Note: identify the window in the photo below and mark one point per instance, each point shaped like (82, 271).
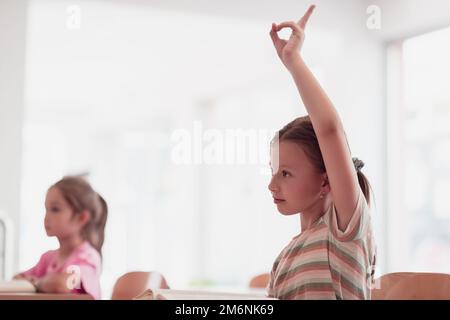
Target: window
(419, 153)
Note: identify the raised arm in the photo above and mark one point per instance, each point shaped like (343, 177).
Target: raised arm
(325, 119)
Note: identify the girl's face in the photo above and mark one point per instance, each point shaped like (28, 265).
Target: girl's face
(60, 220)
(295, 185)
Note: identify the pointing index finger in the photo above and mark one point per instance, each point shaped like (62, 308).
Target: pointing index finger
(302, 22)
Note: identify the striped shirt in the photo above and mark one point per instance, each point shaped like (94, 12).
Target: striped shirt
(324, 262)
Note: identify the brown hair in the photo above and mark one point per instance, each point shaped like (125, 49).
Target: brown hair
(301, 131)
(80, 196)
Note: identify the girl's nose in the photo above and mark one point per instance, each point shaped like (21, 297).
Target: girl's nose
(272, 186)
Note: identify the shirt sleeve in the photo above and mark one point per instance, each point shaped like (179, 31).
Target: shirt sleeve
(39, 269)
(85, 272)
(358, 225)
(269, 288)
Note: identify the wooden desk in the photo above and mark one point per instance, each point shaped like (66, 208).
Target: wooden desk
(43, 296)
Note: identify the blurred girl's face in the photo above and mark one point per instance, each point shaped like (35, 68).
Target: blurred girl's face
(60, 220)
(296, 185)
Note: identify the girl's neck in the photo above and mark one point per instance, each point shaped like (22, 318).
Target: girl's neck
(68, 245)
(311, 215)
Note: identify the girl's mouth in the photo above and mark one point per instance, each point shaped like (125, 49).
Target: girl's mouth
(275, 200)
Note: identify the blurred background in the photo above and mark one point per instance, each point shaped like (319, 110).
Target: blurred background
(169, 106)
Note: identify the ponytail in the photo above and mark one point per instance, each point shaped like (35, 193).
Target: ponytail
(365, 186)
(94, 230)
(98, 234)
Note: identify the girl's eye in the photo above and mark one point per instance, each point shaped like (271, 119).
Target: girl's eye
(285, 173)
(54, 210)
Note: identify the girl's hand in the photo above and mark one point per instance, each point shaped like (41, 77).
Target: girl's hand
(53, 283)
(32, 279)
(24, 277)
(19, 277)
(289, 50)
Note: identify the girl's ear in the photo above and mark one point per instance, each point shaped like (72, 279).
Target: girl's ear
(84, 217)
(325, 183)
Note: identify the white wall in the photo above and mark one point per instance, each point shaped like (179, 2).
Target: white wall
(12, 48)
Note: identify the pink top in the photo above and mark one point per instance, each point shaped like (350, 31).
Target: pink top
(84, 265)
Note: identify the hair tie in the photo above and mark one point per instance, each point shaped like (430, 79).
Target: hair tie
(358, 164)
